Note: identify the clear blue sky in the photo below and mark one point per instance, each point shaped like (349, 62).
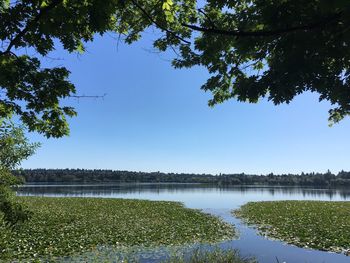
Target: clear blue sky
(156, 118)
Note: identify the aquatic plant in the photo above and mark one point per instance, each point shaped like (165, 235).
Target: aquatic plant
(69, 226)
(309, 224)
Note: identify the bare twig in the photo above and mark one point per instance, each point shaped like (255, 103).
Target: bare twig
(89, 96)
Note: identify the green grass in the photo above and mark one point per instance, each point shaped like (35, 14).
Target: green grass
(314, 224)
(215, 256)
(69, 226)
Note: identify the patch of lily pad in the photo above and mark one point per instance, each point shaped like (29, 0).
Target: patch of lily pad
(61, 227)
(310, 224)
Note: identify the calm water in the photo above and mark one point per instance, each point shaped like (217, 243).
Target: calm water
(218, 201)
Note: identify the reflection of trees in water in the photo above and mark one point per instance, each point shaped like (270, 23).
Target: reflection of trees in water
(120, 189)
(311, 192)
(101, 190)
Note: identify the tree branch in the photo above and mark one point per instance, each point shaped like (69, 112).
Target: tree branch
(264, 33)
(157, 24)
(89, 96)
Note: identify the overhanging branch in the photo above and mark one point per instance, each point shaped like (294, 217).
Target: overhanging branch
(264, 33)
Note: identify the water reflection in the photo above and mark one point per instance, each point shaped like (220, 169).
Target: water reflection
(115, 190)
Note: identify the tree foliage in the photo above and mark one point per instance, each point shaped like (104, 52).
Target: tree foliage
(252, 49)
(35, 93)
(275, 49)
(14, 148)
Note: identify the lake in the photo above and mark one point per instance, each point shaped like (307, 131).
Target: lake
(219, 201)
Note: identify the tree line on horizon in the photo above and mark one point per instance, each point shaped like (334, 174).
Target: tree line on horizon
(109, 176)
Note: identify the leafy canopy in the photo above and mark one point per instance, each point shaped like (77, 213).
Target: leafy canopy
(275, 49)
(252, 48)
(14, 147)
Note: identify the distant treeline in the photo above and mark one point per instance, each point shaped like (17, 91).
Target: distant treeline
(106, 176)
